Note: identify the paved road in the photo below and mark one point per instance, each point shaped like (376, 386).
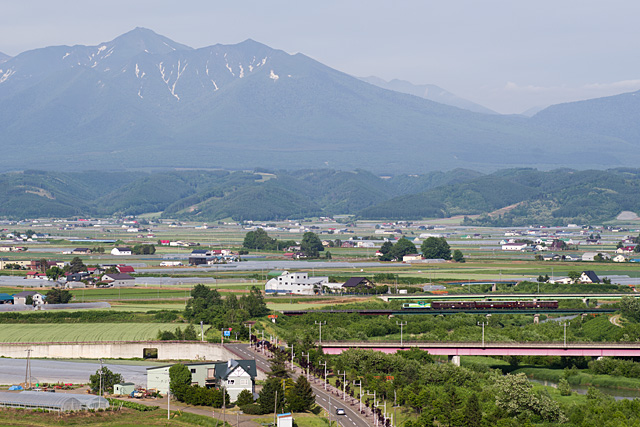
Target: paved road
(330, 400)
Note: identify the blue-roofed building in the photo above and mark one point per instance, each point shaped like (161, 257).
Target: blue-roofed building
(6, 298)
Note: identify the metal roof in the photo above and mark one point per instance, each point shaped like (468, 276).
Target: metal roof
(40, 399)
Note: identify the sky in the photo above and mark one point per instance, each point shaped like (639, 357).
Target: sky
(509, 56)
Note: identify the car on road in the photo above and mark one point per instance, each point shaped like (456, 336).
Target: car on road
(340, 411)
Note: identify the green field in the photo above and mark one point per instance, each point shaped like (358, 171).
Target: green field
(69, 332)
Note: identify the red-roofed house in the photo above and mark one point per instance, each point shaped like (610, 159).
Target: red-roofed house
(125, 269)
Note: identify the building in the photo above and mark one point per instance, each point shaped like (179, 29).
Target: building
(121, 251)
(204, 257)
(296, 283)
(81, 251)
(123, 389)
(619, 258)
(21, 298)
(125, 269)
(589, 276)
(284, 420)
(590, 256)
(412, 257)
(355, 283)
(118, 280)
(235, 376)
(6, 298)
(514, 247)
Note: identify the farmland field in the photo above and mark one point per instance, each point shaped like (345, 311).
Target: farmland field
(67, 332)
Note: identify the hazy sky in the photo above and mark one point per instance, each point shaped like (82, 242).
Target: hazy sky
(506, 55)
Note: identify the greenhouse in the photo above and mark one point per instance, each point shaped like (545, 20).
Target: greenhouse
(59, 402)
(91, 401)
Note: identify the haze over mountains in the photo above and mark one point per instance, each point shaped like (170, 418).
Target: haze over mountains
(430, 92)
(145, 101)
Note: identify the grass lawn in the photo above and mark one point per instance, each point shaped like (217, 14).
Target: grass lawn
(69, 332)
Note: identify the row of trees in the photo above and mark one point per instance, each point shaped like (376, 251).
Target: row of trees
(207, 305)
(310, 246)
(431, 248)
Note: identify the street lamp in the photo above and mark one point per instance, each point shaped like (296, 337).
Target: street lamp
(401, 324)
(320, 324)
(344, 384)
(303, 355)
(483, 325)
(360, 394)
(325, 373)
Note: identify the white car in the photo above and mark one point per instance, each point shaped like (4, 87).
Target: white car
(340, 411)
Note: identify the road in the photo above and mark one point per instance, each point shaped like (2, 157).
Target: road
(330, 400)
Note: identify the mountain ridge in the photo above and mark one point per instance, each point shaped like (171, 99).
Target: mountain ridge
(142, 100)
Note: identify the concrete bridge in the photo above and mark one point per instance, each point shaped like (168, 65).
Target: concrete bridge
(455, 350)
(161, 350)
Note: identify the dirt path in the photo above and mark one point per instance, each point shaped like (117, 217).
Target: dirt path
(615, 320)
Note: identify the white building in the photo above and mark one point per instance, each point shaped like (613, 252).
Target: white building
(297, 283)
(514, 247)
(121, 251)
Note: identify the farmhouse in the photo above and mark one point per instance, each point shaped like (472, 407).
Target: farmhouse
(119, 280)
(121, 251)
(21, 298)
(589, 276)
(412, 257)
(296, 283)
(355, 283)
(235, 375)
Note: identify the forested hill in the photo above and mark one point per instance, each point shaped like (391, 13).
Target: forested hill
(523, 196)
(507, 197)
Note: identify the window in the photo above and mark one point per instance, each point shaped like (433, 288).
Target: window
(193, 371)
(245, 382)
(231, 382)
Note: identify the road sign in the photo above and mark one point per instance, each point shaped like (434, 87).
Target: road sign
(227, 333)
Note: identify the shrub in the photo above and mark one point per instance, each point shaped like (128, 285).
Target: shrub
(251, 409)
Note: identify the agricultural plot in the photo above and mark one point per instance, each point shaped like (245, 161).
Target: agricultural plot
(67, 332)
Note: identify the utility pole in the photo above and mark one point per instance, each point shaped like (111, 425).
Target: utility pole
(483, 324)
(565, 332)
(250, 342)
(344, 384)
(202, 331)
(325, 373)
(168, 404)
(375, 405)
(401, 324)
(263, 342)
(292, 354)
(359, 394)
(27, 374)
(320, 323)
(275, 410)
(101, 369)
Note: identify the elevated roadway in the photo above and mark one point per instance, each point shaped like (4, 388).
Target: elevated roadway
(616, 349)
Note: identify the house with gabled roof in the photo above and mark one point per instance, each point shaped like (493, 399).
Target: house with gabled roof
(118, 280)
(357, 283)
(589, 276)
(235, 376)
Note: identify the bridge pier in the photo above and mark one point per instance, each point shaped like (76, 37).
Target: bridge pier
(454, 359)
(586, 301)
(536, 319)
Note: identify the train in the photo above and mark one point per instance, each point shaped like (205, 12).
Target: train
(480, 305)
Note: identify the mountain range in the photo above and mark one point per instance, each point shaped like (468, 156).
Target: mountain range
(143, 101)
